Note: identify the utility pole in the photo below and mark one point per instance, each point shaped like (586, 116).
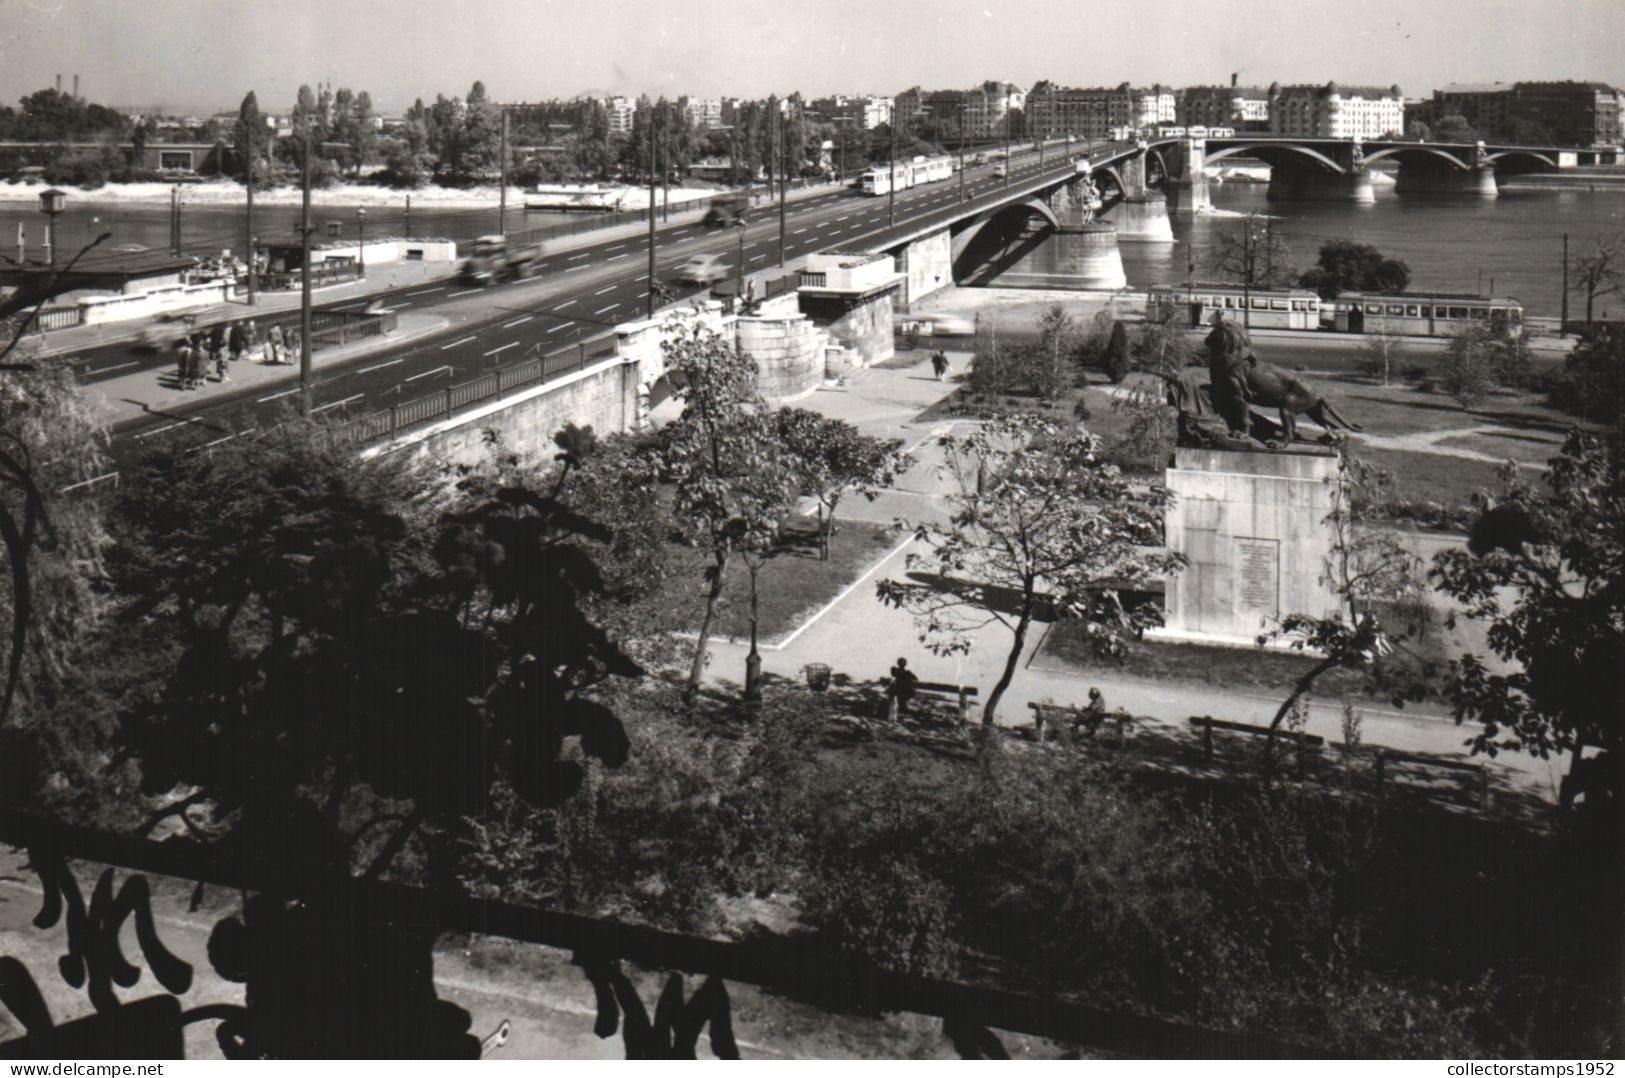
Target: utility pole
(891, 168)
(1007, 146)
(408, 216)
(840, 159)
(784, 180)
(306, 389)
(650, 305)
(248, 226)
(502, 193)
(962, 152)
(1246, 271)
(175, 221)
(665, 167)
(1563, 326)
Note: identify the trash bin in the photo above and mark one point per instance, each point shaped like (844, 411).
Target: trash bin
(817, 676)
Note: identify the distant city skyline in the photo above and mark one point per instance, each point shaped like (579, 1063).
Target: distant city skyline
(203, 55)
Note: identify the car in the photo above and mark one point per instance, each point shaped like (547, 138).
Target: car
(1000, 172)
(702, 269)
(930, 324)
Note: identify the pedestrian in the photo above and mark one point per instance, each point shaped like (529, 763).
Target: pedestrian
(294, 344)
(274, 344)
(189, 373)
(238, 340)
(901, 690)
(939, 363)
(251, 340)
(183, 361)
(217, 342)
(217, 358)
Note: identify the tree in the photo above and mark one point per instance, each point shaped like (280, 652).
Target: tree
(1467, 372)
(1543, 569)
(733, 485)
(1416, 129)
(1041, 525)
(481, 144)
(319, 607)
(1346, 266)
(1453, 127)
(250, 141)
(1592, 382)
(831, 457)
(1597, 272)
(1054, 360)
(1382, 351)
(1368, 568)
(1161, 344)
(1252, 253)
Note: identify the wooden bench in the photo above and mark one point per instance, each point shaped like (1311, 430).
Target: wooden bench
(1060, 717)
(933, 692)
(1477, 775)
(1207, 724)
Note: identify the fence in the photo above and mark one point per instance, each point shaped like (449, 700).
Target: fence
(492, 385)
(394, 918)
(332, 271)
(48, 318)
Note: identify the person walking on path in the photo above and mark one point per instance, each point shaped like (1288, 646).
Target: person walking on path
(238, 340)
(274, 344)
(217, 342)
(939, 363)
(901, 689)
(251, 340)
(183, 362)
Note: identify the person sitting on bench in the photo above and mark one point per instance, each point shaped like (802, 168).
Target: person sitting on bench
(1095, 713)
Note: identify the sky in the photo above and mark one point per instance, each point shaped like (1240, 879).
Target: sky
(205, 54)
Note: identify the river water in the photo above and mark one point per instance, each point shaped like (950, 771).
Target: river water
(1456, 244)
(1451, 243)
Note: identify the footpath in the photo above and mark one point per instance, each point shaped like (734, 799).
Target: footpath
(859, 637)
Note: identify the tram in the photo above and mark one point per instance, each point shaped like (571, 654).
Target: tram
(1422, 314)
(878, 179)
(1273, 308)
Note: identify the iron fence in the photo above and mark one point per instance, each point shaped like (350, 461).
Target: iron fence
(47, 318)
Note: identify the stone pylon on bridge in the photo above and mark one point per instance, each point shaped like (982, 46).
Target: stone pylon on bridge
(1141, 216)
(1185, 165)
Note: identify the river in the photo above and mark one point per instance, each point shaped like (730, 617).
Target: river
(1454, 244)
(1450, 243)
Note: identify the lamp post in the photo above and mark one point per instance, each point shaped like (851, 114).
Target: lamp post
(361, 241)
(739, 288)
(306, 386)
(51, 203)
(248, 223)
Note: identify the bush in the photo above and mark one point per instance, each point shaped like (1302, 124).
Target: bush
(1591, 384)
(1468, 371)
(886, 910)
(1118, 360)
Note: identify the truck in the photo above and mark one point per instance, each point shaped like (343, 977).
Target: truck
(493, 260)
(727, 210)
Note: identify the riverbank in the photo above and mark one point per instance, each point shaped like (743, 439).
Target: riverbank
(231, 193)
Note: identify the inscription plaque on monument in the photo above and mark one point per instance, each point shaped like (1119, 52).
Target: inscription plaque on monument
(1258, 574)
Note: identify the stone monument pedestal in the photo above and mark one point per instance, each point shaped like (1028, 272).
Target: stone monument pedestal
(1253, 526)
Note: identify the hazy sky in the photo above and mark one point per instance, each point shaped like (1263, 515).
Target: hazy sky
(206, 53)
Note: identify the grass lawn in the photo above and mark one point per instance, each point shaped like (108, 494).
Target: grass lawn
(791, 585)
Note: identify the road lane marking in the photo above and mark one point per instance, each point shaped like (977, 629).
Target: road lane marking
(518, 321)
(426, 291)
(611, 288)
(274, 396)
(798, 232)
(426, 374)
(611, 307)
(617, 247)
(565, 304)
(612, 258)
(583, 254)
(454, 344)
(641, 277)
(558, 328)
(381, 366)
(116, 366)
(503, 348)
(464, 292)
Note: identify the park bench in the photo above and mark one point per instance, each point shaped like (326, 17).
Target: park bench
(933, 692)
(1388, 763)
(1060, 717)
(1306, 743)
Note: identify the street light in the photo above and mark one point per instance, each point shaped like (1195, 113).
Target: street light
(739, 288)
(51, 203)
(361, 240)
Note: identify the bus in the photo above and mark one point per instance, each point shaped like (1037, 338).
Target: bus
(1273, 308)
(1423, 314)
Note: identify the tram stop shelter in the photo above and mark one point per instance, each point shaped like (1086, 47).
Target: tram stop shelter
(121, 272)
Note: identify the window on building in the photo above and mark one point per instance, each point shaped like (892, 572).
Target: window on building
(1458, 312)
(1396, 308)
(1413, 309)
(175, 159)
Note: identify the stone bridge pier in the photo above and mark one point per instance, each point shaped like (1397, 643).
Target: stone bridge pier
(1335, 174)
(1420, 175)
(1141, 215)
(1185, 166)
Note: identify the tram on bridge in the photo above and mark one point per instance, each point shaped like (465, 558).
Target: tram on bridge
(878, 179)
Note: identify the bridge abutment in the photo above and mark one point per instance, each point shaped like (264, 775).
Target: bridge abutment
(1142, 219)
(1423, 177)
(1187, 178)
(1288, 184)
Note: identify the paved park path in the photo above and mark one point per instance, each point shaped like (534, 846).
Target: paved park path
(859, 637)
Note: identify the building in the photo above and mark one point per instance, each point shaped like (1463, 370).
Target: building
(1090, 113)
(621, 110)
(1570, 113)
(1486, 106)
(1245, 108)
(988, 104)
(907, 105)
(704, 113)
(1335, 111)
